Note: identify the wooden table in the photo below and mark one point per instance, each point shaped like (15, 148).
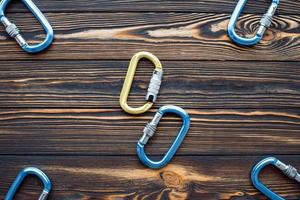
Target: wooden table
(60, 112)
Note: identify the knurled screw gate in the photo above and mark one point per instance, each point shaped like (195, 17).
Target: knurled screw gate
(288, 170)
(154, 85)
(266, 20)
(150, 128)
(13, 31)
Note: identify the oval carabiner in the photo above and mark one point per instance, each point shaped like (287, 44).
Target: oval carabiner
(153, 88)
(150, 129)
(265, 22)
(288, 170)
(14, 32)
(21, 176)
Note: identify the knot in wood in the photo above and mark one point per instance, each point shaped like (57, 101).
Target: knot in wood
(171, 179)
(270, 35)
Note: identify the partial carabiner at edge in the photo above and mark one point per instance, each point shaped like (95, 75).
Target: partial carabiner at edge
(150, 129)
(288, 170)
(153, 88)
(265, 22)
(20, 178)
(14, 32)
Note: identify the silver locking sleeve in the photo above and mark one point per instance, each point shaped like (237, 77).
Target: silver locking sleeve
(13, 31)
(266, 20)
(44, 195)
(154, 85)
(150, 129)
(288, 170)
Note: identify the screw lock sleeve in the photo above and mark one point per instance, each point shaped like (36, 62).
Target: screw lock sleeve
(292, 173)
(150, 129)
(13, 31)
(154, 85)
(288, 170)
(266, 20)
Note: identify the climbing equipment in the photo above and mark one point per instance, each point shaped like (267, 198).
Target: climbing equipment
(153, 88)
(288, 170)
(265, 22)
(14, 32)
(21, 176)
(150, 129)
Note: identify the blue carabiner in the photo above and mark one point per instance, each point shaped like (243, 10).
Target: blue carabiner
(265, 22)
(150, 129)
(288, 170)
(14, 32)
(21, 176)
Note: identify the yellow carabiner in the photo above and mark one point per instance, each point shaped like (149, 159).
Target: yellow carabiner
(153, 88)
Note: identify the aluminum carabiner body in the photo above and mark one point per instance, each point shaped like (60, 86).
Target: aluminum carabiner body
(150, 129)
(21, 176)
(265, 22)
(288, 170)
(153, 88)
(14, 32)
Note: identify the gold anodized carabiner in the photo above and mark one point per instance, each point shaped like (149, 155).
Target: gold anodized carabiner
(153, 88)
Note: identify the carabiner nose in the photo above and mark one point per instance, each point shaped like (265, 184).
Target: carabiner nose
(150, 129)
(21, 176)
(14, 32)
(288, 170)
(153, 88)
(265, 22)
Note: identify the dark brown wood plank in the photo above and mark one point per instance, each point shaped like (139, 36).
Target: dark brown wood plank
(211, 178)
(112, 132)
(59, 109)
(97, 84)
(222, 6)
(171, 36)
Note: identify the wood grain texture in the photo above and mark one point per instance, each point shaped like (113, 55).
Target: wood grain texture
(221, 6)
(112, 178)
(172, 36)
(59, 109)
(97, 84)
(111, 132)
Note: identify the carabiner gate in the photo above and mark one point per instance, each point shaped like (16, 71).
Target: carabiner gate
(14, 32)
(21, 176)
(265, 22)
(150, 129)
(153, 88)
(288, 170)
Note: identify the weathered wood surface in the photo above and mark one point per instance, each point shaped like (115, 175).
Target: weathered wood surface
(59, 109)
(172, 36)
(111, 132)
(210, 6)
(190, 177)
(97, 84)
